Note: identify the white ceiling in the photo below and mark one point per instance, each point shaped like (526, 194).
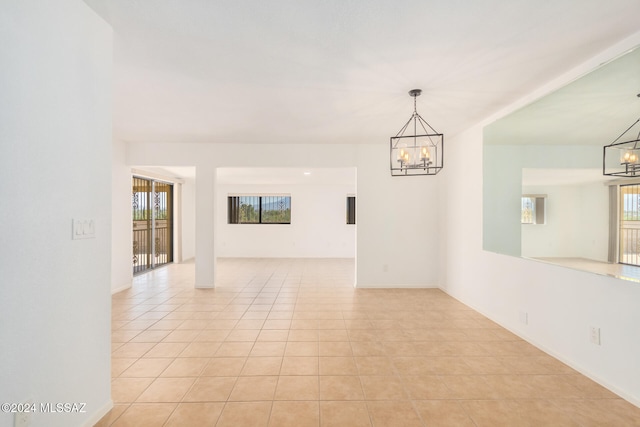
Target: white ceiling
(262, 176)
(337, 71)
(287, 176)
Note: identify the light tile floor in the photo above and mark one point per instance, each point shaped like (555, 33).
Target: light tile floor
(290, 342)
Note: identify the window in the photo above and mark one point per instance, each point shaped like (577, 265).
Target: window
(532, 209)
(259, 209)
(351, 209)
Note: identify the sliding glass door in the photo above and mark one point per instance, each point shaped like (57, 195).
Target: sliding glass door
(152, 214)
(630, 224)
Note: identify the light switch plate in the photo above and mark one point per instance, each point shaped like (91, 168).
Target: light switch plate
(83, 229)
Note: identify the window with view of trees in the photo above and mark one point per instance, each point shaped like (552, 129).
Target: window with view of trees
(259, 209)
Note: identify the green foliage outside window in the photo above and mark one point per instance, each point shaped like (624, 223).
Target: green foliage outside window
(259, 210)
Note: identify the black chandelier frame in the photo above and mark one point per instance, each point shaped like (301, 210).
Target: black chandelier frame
(431, 161)
(624, 157)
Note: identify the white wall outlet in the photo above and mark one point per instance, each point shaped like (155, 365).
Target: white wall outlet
(23, 419)
(524, 317)
(83, 229)
(594, 335)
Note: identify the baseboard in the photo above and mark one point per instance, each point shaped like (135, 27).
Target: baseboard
(120, 289)
(386, 286)
(612, 388)
(97, 416)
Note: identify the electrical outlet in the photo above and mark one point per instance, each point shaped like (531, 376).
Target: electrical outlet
(23, 419)
(594, 335)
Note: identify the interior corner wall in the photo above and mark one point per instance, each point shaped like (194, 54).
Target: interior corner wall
(562, 304)
(56, 144)
(121, 270)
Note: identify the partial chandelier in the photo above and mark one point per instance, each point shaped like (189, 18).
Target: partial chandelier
(622, 158)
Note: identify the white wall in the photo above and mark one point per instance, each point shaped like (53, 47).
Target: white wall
(397, 228)
(318, 226)
(557, 236)
(188, 219)
(55, 139)
(594, 222)
(121, 250)
(576, 223)
(562, 303)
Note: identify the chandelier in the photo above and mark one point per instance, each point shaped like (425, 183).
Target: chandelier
(623, 158)
(416, 154)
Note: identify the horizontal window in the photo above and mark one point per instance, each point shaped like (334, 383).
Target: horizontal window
(259, 209)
